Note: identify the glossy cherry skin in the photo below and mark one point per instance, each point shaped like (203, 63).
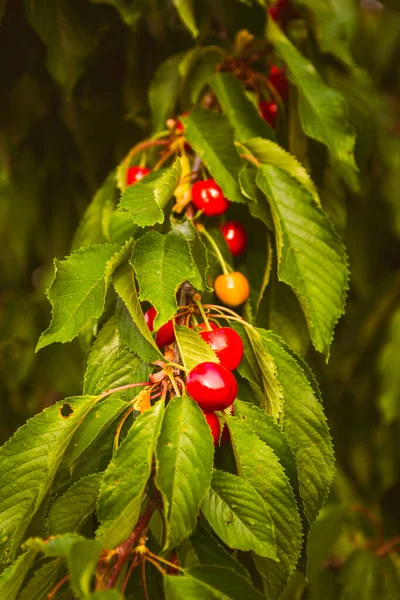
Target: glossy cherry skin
(232, 289)
(166, 334)
(279, 80)
(226, 344)
(212, 386)
(269, 111)
(235, 237)
(213, 326)
(208, 197)
(179, 125)
(214, 425)
(135, 174)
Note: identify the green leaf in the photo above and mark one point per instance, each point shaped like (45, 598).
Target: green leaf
(362, 577)
(240, 111)
(78, 291)
(28, 463)
(323, 111)
(258, 367)
(146, 199)
(13, 577)
(211, 137)
(325, 532)
(82, 562)
(185, 10)
(69, 33)
(270, 153)
(198, 252)
(205, 550)
(59, 545)
(239, 515)
(308, 248)
(42, 581)
(306, 427)
(90, 229)
(71, 510)
(97, 424)
(134, 330)
(206, 65)
(193, 349)
(389, 396)
(334, 25)
(124, 482)
(164, 91)
(110, 363)
(106, 594)
(129, 13)
(209, 583)
(162, 263)
(184, 467)
(262, 469)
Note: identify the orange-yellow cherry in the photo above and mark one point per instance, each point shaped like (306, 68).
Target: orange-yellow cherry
(232, 289)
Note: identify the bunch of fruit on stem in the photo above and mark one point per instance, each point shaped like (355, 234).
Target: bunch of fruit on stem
(212, 385)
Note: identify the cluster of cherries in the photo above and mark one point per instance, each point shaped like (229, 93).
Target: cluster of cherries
(211, 385)
(232, 288)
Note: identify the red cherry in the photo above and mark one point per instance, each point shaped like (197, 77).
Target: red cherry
(135, 174)
(269, 111)
(174, 560)
(213, 422)
(213, 326)
(235, 236)
(179, 125)
(226, 344)
(212, 386)
(279, 80)
(166, 334)
(208, 196)
(283, 12)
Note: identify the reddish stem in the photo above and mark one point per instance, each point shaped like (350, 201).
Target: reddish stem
(121, 388)
(127, 546)
(389, 545)
(57, 587)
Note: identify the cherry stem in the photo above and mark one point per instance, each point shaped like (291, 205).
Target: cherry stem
(251, 159)
(223, 309)
(237, 319)
(144, 582)
(126, 547)
(119, 428)
(217, 251)
(163, 560)
(55, 589)
(203, 314)
(143, 146)
(133, 564)
(121, 388)
(172, 380)
(387, 546)
(163, 159)
(177, 366)
(155, 563)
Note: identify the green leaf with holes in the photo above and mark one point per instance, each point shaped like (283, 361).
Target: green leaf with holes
(28, 463)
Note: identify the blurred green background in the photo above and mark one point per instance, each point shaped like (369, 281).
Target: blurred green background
(74, 98)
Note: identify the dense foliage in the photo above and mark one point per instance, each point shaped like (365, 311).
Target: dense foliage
(218, 181)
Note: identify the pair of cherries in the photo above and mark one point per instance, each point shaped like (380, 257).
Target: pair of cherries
(212, 385)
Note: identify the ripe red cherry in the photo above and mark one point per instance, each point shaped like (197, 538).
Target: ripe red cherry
(166, 334)
(135, 174)
(208, 197)
(214, 425)
(279, 80)
(226, 344)
(213, 326)
(235, 236)
(212, 386)
(225, 435)
(269, 111)
(283, 12)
